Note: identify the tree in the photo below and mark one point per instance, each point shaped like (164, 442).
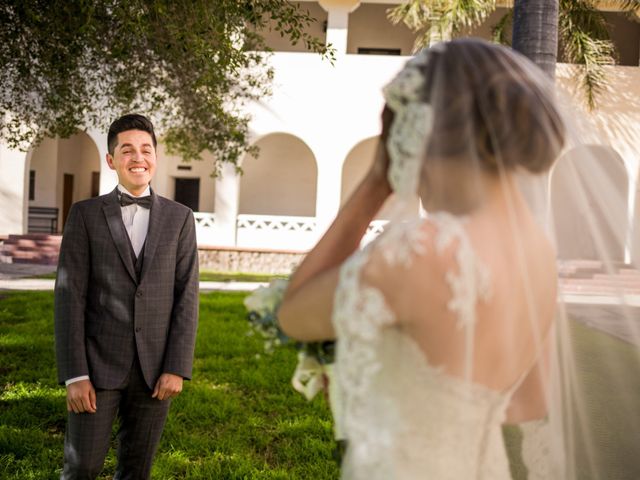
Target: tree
(535, 32)
(190, 65)
(581, 29)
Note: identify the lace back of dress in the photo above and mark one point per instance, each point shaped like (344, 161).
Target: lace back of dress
(363, 318)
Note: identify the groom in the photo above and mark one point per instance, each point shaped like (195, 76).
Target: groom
(126, 309)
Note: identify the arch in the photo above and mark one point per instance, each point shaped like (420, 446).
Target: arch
(589, 204)
(635, 228)
(65, 170)
(355, 166)
(281, 180)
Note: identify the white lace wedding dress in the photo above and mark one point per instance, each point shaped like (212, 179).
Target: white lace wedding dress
(403, 417)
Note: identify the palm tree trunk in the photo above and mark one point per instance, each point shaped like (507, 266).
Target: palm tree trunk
(535, 32)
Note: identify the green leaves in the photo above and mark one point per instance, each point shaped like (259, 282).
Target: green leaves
(189, 65)
(438, 20)
(582, 31)
(585, 42)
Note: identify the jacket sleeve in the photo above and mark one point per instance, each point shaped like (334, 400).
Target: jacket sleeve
(178, 357)
(70, 298)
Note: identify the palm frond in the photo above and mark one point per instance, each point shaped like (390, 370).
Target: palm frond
(415, 14)
(626, 5)
(468, 13)
(586, 42)
(499, 32)
(440, 18)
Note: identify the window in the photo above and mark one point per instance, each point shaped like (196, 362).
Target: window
(378, 51)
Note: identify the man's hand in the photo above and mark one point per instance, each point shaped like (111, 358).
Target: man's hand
(167, 386)
(81, 397)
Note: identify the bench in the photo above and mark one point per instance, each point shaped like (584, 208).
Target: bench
(43, 220)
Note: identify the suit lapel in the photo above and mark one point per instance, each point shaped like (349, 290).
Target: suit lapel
(113, 214)
(156, 221)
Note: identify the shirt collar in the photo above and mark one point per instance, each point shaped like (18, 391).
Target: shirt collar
(146, 193)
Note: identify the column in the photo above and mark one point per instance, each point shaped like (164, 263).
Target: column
(329, 159)
(338, 22)
(108, 177)
(14, 190)
(227, 200)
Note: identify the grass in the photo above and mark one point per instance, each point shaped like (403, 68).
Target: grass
(238, 419)
(210, 276)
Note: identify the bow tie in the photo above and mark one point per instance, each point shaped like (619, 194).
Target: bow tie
(144, 202)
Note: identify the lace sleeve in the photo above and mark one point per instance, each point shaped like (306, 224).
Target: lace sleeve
(360, 312)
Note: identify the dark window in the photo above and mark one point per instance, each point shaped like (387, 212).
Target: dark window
(378, 51)
(32, 184)
(184, 167)
(188, 192)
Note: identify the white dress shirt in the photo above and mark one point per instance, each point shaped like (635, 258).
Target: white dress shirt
(136, 222)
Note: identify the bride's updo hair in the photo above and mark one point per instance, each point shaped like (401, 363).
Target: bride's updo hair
(492, 106)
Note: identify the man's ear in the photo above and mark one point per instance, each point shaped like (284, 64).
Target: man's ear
(110, 161)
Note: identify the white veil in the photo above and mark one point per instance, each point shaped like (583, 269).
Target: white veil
(471, 118)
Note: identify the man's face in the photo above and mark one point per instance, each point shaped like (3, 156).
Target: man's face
(134, 160)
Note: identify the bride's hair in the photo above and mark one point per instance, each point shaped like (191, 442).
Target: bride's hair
(490, 108)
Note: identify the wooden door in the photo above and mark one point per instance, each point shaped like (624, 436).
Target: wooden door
(188, 192)
(67, 196)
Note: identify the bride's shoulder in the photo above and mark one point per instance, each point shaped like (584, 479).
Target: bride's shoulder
(430, 239)
(414, 259)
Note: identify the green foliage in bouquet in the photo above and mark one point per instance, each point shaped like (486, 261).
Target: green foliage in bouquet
(262, 305)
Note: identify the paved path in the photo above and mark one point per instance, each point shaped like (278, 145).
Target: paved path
(20, 277)
(19, 270)
(597, 311)
(47, 284)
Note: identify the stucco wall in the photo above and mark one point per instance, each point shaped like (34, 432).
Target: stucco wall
(77, 156)
(316, 29)
(167, 171)
(370, 28)
(281, 180)
(44, 161)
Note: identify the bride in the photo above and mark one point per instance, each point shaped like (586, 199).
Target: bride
(446, 322)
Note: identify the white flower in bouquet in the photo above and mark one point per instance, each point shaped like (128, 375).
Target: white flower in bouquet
(265, 300)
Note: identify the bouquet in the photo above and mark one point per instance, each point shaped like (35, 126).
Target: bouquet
(314, 371)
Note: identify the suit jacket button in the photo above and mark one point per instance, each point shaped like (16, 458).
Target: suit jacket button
(138, 294)
(138, 329)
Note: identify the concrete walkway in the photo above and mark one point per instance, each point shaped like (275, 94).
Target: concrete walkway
(20, 277)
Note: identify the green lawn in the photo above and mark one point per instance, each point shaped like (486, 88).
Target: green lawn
(209, 276)
(238, 419)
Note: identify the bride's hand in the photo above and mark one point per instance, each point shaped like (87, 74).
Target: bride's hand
(378, 171)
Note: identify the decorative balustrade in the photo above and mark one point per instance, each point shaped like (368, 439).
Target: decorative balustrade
(207, 230)
(274, 232)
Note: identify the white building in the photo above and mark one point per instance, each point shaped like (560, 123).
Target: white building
(316, 136)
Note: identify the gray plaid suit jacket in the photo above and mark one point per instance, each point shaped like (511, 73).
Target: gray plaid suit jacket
(105, 312)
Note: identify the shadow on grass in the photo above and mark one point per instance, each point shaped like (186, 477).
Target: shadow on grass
(239, 417)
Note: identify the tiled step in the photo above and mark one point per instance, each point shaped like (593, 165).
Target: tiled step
(32, 248)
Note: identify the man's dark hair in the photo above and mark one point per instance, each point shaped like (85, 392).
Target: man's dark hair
(132, 121)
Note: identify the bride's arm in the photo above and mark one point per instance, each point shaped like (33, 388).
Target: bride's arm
(305, 313)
